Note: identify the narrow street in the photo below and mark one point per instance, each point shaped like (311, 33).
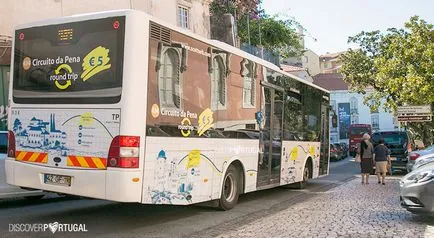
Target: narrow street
(335, 205)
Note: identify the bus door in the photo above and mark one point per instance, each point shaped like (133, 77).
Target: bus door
(270, 137)
(324, 152)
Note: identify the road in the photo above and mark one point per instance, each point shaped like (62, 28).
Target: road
(103, 218)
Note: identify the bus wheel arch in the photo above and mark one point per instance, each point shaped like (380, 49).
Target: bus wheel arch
(232, 185)
(307, 174)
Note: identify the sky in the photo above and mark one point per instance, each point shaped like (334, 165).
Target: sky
(332, 22)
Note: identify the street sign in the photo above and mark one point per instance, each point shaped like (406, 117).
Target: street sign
(414, 110)
(414, 118)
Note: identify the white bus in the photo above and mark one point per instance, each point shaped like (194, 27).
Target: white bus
(120, 106)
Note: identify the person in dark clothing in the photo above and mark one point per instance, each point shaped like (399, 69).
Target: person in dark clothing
(382, 160)
(366, 153)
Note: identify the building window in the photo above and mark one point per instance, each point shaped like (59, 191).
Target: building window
(375, 121)
(305, 59)
(183, 17)
(218, 84)
(169, 79)
(249, 91)
(248, 71)
(354, 110)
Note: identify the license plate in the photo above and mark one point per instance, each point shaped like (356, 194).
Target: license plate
(393, 158)
(57, 179)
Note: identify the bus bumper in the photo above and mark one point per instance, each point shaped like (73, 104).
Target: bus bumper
(111, 184)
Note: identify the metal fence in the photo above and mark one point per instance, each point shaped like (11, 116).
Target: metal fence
(262, 53)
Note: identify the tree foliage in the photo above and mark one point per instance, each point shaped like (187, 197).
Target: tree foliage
(397, 64)
(270, 32)
(235, 7)
(260, 29)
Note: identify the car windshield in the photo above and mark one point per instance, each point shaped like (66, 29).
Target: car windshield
(390, 138)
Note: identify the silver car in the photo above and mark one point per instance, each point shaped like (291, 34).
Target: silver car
(417, 189)
(423, 160)
(414, 155)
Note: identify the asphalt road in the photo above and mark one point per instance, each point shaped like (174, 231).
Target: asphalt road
(109, 219)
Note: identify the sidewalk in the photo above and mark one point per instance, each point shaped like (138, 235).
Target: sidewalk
(350, 210)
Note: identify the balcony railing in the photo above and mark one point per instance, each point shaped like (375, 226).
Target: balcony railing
(265, 54)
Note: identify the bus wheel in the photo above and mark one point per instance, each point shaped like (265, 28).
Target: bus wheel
(230, 191)
(306, 173)
(34, 198)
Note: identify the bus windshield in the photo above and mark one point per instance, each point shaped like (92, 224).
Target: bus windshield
(359, 130)
(70, 63)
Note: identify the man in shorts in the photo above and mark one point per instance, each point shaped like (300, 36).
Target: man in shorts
(382, 160)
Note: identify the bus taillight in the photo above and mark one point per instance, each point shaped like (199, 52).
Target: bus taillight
(124, 152)
(11, 144)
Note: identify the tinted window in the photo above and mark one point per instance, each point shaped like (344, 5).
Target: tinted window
(79, 62)
(3, 142)
(391, 137)
(359, 130)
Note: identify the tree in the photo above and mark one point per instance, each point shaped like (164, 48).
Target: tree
(398, 65)
(260, 29)
(272, 33)
(235, 7)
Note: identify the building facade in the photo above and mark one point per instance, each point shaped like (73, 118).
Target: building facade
(330, 63)
(302, 73)
(190, 14)
(349, 108)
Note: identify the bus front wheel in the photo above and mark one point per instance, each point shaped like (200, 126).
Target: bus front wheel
(230, 189)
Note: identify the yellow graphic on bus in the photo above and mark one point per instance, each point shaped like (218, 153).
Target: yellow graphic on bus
(312, 151)
(86, 119)
(68, 82)
(193, 159)
(185, 122)
(94, 62)
(294, 153)
(205, 121)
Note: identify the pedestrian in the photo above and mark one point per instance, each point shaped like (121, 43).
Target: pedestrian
(366, 153)
(382, 160)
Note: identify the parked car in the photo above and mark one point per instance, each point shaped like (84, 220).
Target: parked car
(399, 144)
(345, 147)
(414, 155)
(423, 160)
(417, 188)
(242, 134)
(334, 153)
(341, 151)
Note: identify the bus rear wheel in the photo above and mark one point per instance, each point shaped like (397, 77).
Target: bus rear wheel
(306, 172)
(230, 189)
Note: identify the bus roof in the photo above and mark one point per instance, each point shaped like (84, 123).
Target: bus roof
(221, 45)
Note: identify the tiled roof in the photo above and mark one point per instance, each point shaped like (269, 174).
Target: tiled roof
(330, 81)
(290, 68)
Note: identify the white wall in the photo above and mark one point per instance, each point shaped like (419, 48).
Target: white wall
(386, 120)
(312, 63)
(14, 12)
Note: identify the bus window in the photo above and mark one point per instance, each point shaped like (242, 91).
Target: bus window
(71, 63)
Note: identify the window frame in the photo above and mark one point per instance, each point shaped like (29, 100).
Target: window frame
(162, 100)
(216, 91)
(249, 73)
(183, 17)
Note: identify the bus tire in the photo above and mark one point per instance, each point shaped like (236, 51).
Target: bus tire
(34, 198)
(230, 189)
(306, 174)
